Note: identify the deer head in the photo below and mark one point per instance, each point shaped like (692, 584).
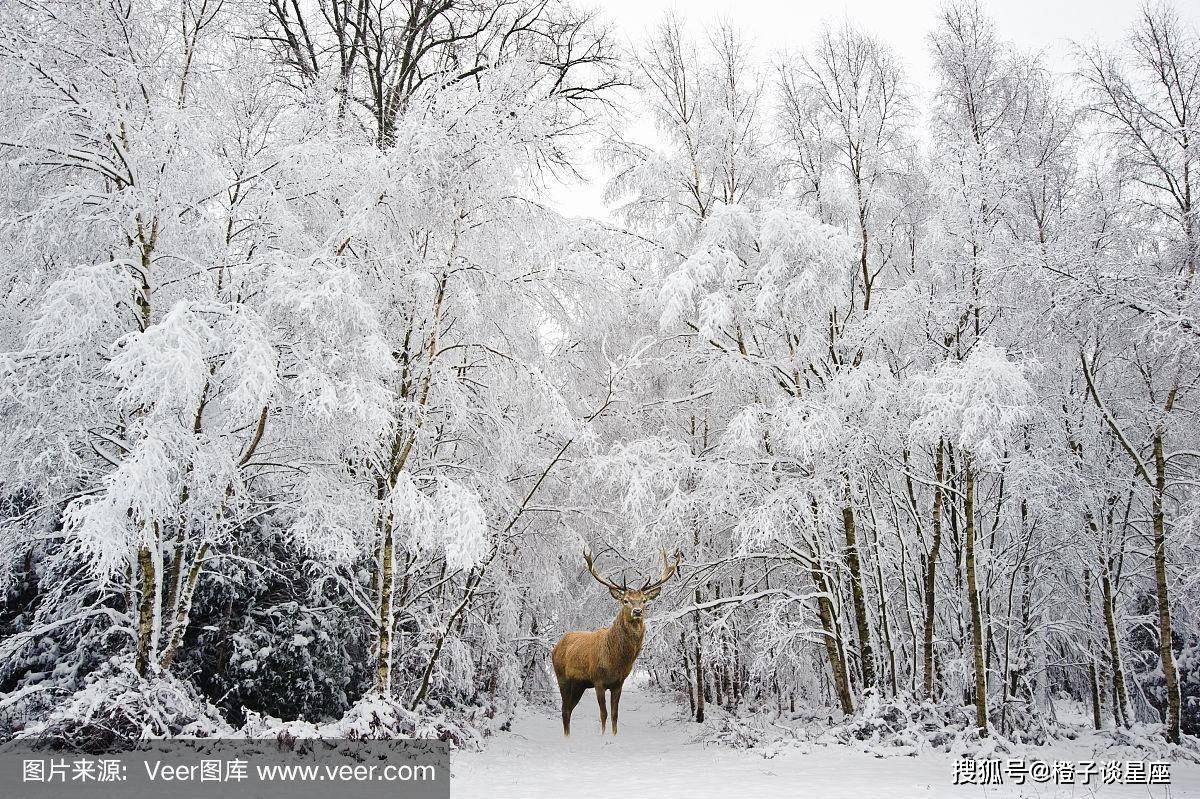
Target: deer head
(635, 599)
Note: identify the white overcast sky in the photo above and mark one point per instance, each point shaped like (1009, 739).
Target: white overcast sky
(1046, 26)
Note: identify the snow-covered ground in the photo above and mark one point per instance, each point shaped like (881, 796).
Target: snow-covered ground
(656, 755)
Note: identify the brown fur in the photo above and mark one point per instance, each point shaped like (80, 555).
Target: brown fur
(601, 659)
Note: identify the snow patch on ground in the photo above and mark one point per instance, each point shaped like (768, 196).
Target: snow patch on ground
(657, 753)
(376, 717)
(117, 707)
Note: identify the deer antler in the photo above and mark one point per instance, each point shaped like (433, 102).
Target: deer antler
(669, 569)
(587, 556)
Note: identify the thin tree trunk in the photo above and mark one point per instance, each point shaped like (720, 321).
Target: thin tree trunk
(837, 664)
(184, 608)
(1165, 638)
(908, 615)
(1093, 678)
(885, 626)
(931, 569)
(1122, 715)
(474, 578)
(403, 444)
(148, 597)
(687, 668)
(383, 672)
(699, 665)
(865, 655)
(981, 712)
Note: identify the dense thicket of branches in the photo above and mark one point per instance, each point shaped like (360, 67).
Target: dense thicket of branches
(309, 402)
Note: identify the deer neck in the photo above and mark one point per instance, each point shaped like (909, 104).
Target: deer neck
(625, 635)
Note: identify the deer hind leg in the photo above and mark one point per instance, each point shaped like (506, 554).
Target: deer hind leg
(616, 700)
(571, 694)
(603, 707)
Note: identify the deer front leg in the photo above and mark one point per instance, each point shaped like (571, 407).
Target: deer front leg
(616, 701)
(603, 709)
(571, 694)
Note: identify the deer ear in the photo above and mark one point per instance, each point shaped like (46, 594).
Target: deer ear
(652, 593)
(616, 594)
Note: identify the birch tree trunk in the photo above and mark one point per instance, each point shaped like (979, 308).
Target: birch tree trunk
(180, 614)
(148, 600)
(1121, 711)
(1165, 651)
(833, 648)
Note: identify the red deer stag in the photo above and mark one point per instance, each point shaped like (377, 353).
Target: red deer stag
(603, 658)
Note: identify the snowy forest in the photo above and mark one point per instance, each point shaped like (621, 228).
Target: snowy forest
(312, 399)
